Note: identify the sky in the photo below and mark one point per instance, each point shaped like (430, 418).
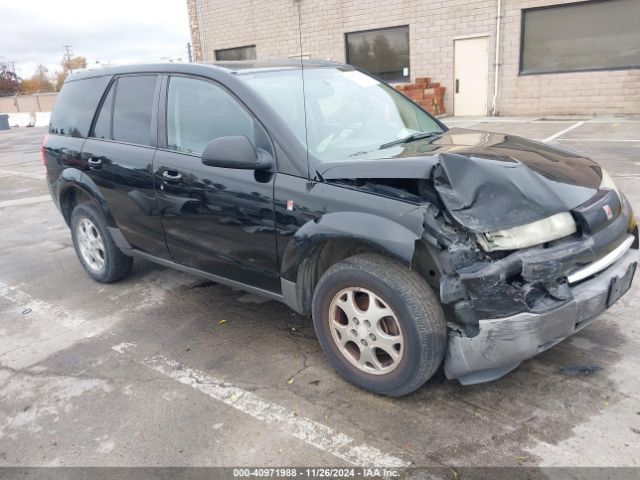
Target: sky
(105, 31)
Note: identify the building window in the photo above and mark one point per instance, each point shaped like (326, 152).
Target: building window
(383, 52)
(593, 35)
(238, 53)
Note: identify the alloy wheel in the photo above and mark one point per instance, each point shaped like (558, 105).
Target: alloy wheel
(91, 245)
(366, 330)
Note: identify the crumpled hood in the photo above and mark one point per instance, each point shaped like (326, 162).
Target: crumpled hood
(486, 181)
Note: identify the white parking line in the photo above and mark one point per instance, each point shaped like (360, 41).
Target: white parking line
(32, 329)
(562, 132)
(25, 201)
(309, 431)
(51, 312)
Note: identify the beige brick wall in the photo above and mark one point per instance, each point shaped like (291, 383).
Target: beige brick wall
(272, 25)
(599, 92)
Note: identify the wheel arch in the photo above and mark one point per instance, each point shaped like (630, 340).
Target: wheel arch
(75, 188)
(319, 244)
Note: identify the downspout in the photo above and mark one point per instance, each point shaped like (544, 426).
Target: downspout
(494, 100)
(203, 38)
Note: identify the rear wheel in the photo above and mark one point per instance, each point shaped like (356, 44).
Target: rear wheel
(380, 324)
(96, 250)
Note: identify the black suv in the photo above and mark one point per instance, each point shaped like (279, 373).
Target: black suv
(322, 187)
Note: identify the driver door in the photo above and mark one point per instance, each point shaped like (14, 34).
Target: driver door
(218, 220)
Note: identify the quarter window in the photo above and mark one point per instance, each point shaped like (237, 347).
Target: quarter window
(132, 109)
(199, 111)
(75, 108)
(239, 53)
(384, 52)
(581, 36)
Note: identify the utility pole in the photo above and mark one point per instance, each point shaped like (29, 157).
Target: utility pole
(68, 55)
(189, 52)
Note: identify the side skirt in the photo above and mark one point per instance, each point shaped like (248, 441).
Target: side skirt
(288, 297)
(208, 276)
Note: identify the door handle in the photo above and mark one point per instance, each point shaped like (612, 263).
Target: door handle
(171, 176)
(457, 85)
(94, 163)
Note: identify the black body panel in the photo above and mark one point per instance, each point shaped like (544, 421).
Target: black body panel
(308, 214)
(124, 177)
(219, 220)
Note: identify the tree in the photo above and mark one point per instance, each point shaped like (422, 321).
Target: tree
(39, 82)
(68, 65)
(9, 81)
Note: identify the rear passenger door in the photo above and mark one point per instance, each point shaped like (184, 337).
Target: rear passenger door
(218, 220)
(119, 159)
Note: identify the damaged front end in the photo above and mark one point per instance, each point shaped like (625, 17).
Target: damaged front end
(526, 243)
(509, 305)
(511, 308)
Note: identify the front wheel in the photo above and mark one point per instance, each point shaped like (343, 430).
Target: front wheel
(98, 253)
(380, 324)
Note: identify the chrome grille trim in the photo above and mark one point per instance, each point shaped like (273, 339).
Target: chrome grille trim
(601, 263)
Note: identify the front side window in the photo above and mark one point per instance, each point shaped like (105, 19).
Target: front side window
(384, 52)
(581, 36)
(132, 109)
(348, 113)
(239, 53)
(199, 111)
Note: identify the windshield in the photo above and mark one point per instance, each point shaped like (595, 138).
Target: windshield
(348, 113)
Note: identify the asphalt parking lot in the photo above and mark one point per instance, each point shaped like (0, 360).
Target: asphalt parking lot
(146, 372)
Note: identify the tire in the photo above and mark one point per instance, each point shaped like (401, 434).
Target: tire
(96, 250)
(415, 327)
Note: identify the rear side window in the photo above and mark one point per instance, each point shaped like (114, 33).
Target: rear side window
(76, 105)
(132, 109)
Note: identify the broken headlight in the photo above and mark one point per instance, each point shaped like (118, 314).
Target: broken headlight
(545, 230)
(607, 182)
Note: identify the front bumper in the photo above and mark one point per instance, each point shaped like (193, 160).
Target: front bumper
(503, 343)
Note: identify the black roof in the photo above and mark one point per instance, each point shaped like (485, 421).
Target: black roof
(231, 68)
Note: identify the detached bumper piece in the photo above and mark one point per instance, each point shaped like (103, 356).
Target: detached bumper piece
(503, 343)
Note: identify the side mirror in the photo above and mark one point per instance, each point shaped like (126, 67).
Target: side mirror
(235, 152)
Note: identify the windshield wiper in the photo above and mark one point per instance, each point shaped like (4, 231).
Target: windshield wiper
(410, 138)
